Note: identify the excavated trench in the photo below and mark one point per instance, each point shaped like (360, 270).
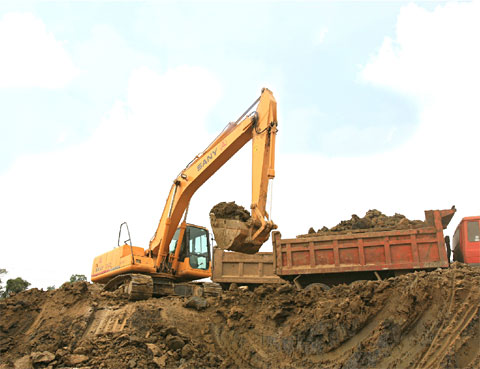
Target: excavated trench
(418, 320)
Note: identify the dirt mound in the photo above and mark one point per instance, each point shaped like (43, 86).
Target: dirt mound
(418, 320)
(230, 210)
(374, 220)
(79, 325)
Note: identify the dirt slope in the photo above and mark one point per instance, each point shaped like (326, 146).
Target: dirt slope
(419, 320)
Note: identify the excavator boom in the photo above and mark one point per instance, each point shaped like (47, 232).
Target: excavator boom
(261, 128)
(180, 252)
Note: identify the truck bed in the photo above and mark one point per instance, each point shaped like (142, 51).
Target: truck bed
(234, 267)
(409, 249)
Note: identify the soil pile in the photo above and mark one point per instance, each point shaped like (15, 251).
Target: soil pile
(230, 210)
(374, 220)
(80, 326)
(418, 320)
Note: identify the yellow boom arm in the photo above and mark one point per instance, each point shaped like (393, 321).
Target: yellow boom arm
(261, 128)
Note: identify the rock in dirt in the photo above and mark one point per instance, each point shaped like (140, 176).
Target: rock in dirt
(154, 349)
(174, 342)
(196, 302)
(230, 210)
(160, 361)
(75, 359)
(187, 351)
(23, 363)
(42, 357)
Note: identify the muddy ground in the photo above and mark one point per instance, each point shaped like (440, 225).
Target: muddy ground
(418, 320)
(373, 220)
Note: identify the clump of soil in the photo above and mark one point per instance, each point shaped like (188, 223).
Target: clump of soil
(417, 320)
(230, 210)
(374, 220)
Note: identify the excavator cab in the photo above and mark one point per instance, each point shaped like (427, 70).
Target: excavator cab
(194, 248)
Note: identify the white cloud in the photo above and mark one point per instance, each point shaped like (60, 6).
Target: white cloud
(30, 55)
(434, 54)
(432, 60)
(319, 36)
(61, 209)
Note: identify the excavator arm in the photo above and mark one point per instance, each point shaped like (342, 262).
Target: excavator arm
(261, 128)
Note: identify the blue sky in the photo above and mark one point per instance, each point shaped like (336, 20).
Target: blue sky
(103, 103)
(311, 52)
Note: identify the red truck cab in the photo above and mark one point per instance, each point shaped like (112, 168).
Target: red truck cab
(466, 241)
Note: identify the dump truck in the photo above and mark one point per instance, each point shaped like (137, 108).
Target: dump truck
(333, 259)
(355, 254)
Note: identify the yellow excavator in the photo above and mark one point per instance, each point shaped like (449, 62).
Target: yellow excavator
(180, 252)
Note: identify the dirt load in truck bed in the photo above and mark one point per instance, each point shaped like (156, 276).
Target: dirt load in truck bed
(418, 320)
(230, 210)
(374, 220)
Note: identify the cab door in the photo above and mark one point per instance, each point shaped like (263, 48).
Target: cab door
(472, 242)
(194, 257)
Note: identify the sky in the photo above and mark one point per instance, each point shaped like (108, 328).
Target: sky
(103, 103)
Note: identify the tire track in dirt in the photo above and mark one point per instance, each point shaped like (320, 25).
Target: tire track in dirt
(451, 329)
(422, 362)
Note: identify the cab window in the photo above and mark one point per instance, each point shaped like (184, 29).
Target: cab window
(198, 248)
(173, 245)
(473, 231)
(456, 238)
(173, 242)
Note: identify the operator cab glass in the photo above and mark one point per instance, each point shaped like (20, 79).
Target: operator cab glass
(173, 242)
(198, 250)
(198, 247)
(473, 231)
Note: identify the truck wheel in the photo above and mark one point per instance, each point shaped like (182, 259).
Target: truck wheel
(225, 286)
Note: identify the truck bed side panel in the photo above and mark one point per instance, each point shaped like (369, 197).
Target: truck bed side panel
(234, 267)
(408, 249)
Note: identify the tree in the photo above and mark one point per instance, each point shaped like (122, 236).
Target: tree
(77, 278)
(50, 288)
(2, 271)
(15, 285)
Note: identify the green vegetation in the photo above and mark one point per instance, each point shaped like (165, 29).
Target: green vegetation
(19, 284)
(77, 278)
(14, 286)
(2, 271)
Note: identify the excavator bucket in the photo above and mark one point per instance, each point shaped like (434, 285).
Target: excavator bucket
(237, 235)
